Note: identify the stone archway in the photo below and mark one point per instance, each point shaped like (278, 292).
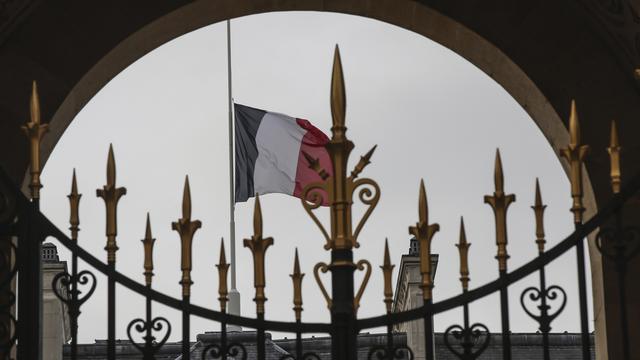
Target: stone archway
(542, 52)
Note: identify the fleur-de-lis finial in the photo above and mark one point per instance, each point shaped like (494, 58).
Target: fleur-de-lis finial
(223, 268)
(147, 244)
(296, 278)
(614, 157)
(74, 208)
(575, 153)
(35, 130)
(258, 247)
(424, 233)
(387, 271)
(111, 195)
(538, 209)
(500, 202)
(186, 228)
(338, 97)
(463, 249)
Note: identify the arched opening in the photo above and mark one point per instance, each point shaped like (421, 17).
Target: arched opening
(479, 52)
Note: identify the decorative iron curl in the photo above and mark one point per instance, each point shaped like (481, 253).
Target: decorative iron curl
(625, 244)
(362, 265)
(367, 197)
(468, 338)
(236, 351)
(6, 263)
(8, 332)
(141, 326)
(383, 353)
(324, 268)
(534, 294)
(67, 282)
(313, 196)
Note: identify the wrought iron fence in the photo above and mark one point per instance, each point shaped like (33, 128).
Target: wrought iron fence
(23, 228)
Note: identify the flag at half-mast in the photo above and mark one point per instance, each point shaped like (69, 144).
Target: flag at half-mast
(269, 153)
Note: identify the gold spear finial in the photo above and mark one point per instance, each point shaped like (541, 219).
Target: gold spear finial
(314, 164)
(575, 153)
(424, 233)
(463, 249)
(35, 130)
(500, 202)
(364, 161)
(338, 97)
(223, 268)
(614, 157)
(111, 195)
(387, 271)
(258, 247)
(538, 209)
(186, 228)
(74, 208)
(498, 176)
(296, 278)
(147, 244)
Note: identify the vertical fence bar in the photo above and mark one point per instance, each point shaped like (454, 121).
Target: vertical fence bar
(504, 314)
(29, 326)
(111, 314)
(429, 348)
(582, 292)
(185, 327)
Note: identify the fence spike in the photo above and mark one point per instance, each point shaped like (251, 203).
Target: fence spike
(186, 228)
(387, 271)
(500, 202)
(296, 278)
(424, 233)
(338, 96)
(463, 249)
(74, 208)
(258, 246)
(147, 244)
(575, 153)
(34, 131)
(223, 268)
(111, 195)
(538, 209)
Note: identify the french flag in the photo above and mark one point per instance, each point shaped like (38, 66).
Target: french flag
(269, 153)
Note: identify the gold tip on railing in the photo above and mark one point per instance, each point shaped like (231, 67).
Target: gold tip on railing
(575, 153)
(147, 244)
(463, 249)
(614, 157)
(538, 209)
(296, 278)
(314, 164)
(186, 228)
(111, 195)
(338, 97)
(387, 271)
(35, 130)
(74, 208)
(364, 161)
(500, 202)
(223, 268)
(258, 246)
(424, 234)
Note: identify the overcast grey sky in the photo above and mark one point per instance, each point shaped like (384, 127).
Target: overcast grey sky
(433, 115)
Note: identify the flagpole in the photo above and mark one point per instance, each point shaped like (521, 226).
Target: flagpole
(234, 295)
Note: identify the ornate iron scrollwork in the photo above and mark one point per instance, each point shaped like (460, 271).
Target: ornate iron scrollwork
(535, 294)
(468, 338)
(236, 351)
(400, 352)
(151, 346)
(305, 356)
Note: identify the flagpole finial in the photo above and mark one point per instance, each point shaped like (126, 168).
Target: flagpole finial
(338, 97)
